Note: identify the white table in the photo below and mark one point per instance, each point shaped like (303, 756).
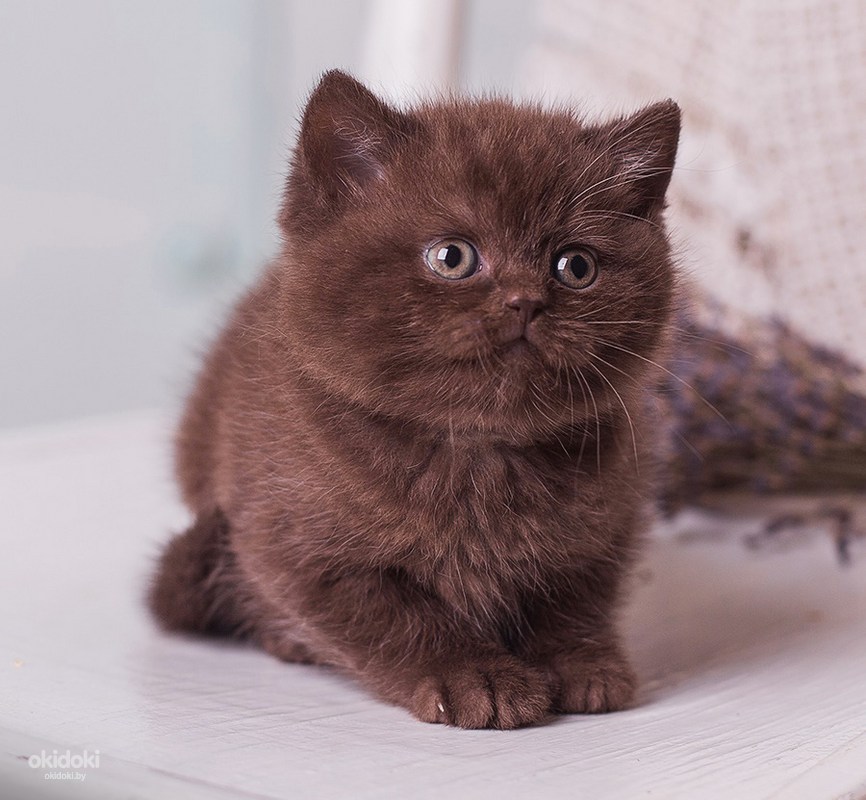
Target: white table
(754, 666)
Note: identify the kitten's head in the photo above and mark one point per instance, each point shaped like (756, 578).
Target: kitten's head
(476, 264)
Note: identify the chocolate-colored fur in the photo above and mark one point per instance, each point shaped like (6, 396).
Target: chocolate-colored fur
(431, 483)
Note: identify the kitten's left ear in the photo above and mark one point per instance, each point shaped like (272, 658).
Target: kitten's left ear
(644, 148)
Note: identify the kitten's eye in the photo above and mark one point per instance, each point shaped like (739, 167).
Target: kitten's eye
(453, 259)
(576, 267)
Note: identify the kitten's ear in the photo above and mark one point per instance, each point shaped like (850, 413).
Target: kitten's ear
(644, 148)
(348, 136)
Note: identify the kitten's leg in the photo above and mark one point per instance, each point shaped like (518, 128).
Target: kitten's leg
(410, 648)
(572, 637)
(284, 646)
(197, 587)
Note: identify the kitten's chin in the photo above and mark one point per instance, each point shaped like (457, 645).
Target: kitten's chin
(519, 348)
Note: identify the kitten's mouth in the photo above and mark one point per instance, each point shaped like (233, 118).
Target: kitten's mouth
(518, 345)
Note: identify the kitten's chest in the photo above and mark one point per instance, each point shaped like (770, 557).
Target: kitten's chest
(476, 512)
(487, 528)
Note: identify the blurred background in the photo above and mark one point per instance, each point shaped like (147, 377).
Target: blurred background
(144, 142)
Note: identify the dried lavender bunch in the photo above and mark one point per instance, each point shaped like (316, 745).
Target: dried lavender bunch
(763, 410)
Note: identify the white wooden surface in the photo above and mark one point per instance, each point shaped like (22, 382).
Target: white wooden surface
(753, 667)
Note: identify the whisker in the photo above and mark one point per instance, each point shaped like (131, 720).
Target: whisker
(611, 214)
(675, 377)
(597, 421)
(627, 414)
(722, 344)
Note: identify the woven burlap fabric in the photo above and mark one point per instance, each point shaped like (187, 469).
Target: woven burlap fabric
(768, 203)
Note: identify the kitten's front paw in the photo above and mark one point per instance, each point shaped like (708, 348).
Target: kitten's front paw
(493, 692)
(591, 685)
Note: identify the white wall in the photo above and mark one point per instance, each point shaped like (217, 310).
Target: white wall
(142, 151)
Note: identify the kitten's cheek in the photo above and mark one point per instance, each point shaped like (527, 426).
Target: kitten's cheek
(464, 340)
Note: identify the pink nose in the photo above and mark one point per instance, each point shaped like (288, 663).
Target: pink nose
(527, 307)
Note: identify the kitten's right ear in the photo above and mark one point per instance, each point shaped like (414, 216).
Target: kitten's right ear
(348, 137)
(643, 148)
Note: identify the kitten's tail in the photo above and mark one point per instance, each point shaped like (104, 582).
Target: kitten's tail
(197, 585)
(765, 411)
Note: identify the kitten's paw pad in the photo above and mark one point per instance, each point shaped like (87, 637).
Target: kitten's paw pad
(491, 693)
(593, 687)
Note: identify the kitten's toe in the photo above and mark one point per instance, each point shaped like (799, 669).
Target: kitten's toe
(587, 686)
(499, 692)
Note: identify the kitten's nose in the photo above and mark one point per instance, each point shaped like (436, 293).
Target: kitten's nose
(527, 307)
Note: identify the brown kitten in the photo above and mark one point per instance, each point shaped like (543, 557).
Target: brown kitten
(412, 452)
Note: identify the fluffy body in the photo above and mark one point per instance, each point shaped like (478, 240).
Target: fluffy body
(401, 476)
